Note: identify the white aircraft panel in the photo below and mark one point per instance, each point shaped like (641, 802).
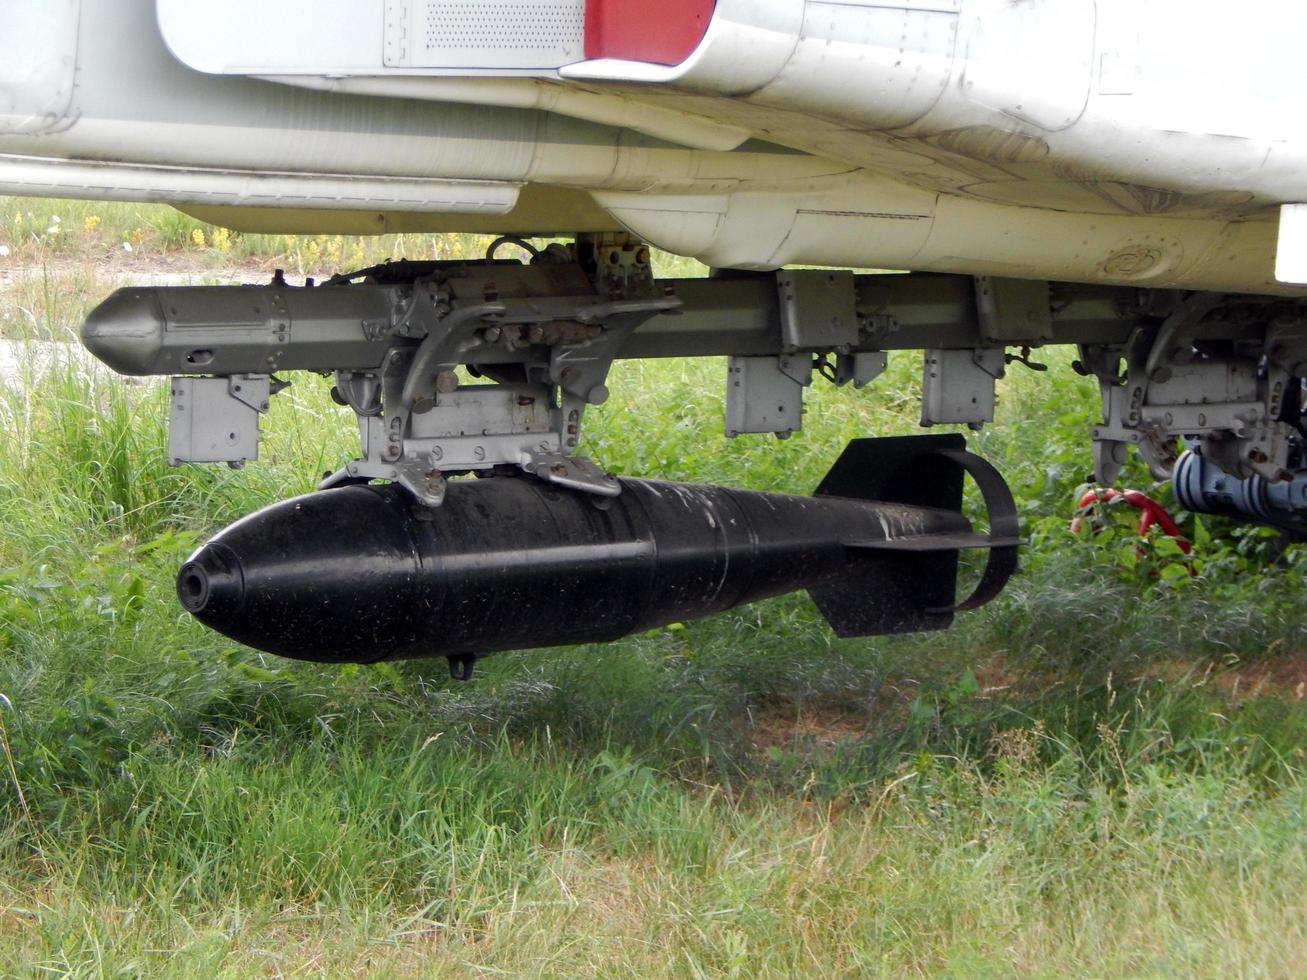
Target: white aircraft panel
(35, 88)
(1291, 245)
(511, 34)
(330, 37)
(254, 36)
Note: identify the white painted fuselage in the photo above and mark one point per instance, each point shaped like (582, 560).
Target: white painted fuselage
(1142, 142)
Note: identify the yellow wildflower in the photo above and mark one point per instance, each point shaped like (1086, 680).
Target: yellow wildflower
(197, 236)
(91, 222)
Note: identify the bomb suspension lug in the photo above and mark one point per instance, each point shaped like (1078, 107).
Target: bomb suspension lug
(574, 473)
(424, 483)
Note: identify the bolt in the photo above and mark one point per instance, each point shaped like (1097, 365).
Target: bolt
(437, 454)
(491, 334)
(391, 453)
(446, 382)
(597, 395)
(479, 453)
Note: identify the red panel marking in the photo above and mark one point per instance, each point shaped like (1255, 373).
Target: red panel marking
(661, 32)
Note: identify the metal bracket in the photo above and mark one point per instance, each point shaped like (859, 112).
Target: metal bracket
(1013, 311)
(419, 422)
(861, 368)
(418, 478)
(581, 368)
(761, 396)
(958, 385)
(440, 351)
(818, 309)
(1169, 389)
(216, 420)
(797, 367)
(573, 472)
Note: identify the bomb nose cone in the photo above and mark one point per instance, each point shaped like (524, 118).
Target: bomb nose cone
(126, 331)
(211, 586)
(331, 577)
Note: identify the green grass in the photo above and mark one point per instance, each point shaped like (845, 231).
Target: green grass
(1067, 783)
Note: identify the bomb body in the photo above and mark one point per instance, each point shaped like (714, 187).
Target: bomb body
(365, 573)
